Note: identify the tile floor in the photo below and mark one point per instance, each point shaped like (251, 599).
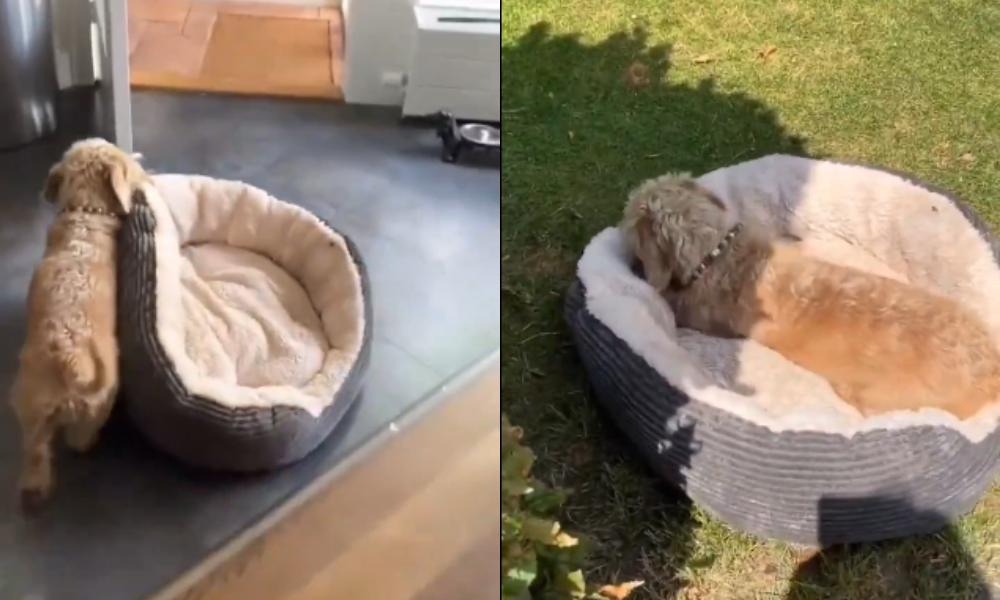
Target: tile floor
(236, 47)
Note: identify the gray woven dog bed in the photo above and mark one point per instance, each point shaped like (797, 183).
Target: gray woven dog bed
(245, 324)
(757, 441)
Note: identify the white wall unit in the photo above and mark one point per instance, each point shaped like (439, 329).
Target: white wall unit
(397, 53)
(493, 5)
(456, 64)
(378, 50)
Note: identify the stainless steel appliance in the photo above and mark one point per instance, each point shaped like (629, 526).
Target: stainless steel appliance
(28, 84)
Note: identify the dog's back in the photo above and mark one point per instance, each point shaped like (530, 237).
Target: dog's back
(71, 308)
(884, 345)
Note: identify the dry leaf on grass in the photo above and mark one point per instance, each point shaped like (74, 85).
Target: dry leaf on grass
(692, 593)
(704, 59)
(767, 52)
(968, 158)
(621, 591)
(637, 75)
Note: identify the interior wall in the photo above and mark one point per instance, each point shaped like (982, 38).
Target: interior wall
(380, 38)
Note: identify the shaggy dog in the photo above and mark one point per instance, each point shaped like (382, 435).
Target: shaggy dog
(883, 345)
(68, 375)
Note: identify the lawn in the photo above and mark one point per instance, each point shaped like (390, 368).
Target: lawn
(597, 96)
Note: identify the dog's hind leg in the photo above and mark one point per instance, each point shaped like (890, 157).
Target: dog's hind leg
(37, 474)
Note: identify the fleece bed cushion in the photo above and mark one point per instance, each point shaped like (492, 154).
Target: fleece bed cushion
(244, 324)
(758, 441)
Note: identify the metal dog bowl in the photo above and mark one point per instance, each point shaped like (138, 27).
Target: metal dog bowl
(457, 137)
(481, 134)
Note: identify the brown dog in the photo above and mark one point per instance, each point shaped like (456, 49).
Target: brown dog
(68, 376)
(883, 345)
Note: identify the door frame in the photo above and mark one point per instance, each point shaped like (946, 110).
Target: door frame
(118, 80)
(77, 30)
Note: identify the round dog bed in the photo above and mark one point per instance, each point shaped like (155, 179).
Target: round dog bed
(244, 324)
(759, 442)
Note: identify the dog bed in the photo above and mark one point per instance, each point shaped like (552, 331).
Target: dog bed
(756, 440)
(244, 322)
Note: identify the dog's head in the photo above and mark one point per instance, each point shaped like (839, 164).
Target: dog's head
(671, 224)
(95, 175)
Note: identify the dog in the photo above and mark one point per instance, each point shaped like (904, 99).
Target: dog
(882, 344)
(68, 375)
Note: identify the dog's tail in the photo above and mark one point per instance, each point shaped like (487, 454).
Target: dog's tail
(80, 372)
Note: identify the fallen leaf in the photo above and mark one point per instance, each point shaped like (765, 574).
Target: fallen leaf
(767, 52)
(968, 158)
(621, 591)
(564, 540)
(704, 59)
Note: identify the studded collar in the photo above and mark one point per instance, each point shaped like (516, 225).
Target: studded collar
(718, 251)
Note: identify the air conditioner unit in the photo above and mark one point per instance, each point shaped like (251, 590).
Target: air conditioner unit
(456, 65)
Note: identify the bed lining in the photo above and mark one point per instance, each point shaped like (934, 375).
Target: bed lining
(191, 210)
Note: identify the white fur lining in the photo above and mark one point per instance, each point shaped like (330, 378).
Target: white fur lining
(847, 214)
(259, 304)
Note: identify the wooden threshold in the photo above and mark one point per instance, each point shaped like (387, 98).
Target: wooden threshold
(415, 518)
(173, 81)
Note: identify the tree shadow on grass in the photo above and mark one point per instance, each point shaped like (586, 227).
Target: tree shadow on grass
(583, 124)
(933, 566)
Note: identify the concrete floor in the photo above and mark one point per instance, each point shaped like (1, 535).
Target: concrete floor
(126, 521)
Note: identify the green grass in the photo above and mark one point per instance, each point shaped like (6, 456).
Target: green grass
(601, 94)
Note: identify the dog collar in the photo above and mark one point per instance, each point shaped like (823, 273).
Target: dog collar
(90, 210)
(727, 241)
